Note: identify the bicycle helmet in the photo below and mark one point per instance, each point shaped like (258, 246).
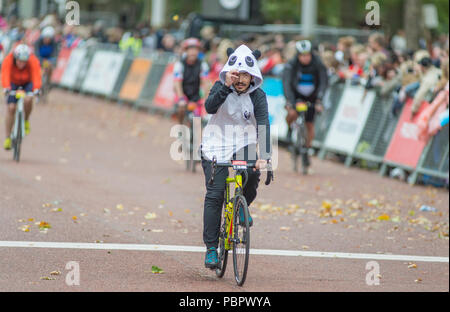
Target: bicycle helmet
(191, 42)
(22, 53)
(48, 32)
(303, 46)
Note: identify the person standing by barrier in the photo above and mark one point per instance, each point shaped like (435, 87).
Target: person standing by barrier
(20, 69)
(305, 79)
(190, 74)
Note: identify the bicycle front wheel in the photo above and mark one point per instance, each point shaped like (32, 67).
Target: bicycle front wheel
(18, 140)
(222, 252)
(241, 240)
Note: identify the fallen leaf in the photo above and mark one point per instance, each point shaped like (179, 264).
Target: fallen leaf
(326, 205)
(384, 217)
(25, 228)
(285, 228)
(418, 280)
(119, 207)
(412, 266)
(150, 216)
(156, 270)
(55, 273)
(46, 278)
(44, 225)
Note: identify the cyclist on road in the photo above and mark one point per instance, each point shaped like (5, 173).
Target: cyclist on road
(190, 77)
(46, 48)
(305, 79)
(20, 69)
(236, 102)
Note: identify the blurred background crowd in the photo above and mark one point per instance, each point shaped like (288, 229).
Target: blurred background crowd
(379, 59)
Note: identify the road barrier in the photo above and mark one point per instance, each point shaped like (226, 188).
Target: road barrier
(160, 61)
(323, 120)
(434, 159)
(356, 123)
(405, 147)
(103, 72)
(376, 135)
(348, 122)
(134, 82)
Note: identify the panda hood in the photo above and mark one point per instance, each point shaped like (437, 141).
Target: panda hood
(244, 60)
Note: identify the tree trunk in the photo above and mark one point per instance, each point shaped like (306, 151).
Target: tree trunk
(347, 12)
(413, 22)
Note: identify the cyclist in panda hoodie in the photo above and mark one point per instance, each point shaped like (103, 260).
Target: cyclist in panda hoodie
(238, 125)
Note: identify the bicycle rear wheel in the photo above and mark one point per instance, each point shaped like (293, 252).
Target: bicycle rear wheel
(241, 240)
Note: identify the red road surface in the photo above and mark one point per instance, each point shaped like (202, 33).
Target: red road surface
(100, 173)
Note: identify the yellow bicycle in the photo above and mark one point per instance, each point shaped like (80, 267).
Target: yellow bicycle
(235, 229)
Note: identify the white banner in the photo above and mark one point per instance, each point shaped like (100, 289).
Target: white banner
(70, 75)
(103, 72)
(350, 118)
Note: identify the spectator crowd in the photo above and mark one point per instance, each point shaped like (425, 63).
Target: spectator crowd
(378, 63)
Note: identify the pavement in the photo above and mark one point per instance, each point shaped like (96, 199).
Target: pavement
(96, 186)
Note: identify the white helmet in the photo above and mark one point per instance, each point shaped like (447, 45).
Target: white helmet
(48, 32)
(22, 53)
(303, 46)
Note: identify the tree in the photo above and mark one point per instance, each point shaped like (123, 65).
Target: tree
(412, 22)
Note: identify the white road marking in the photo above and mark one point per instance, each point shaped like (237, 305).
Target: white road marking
(267, 252)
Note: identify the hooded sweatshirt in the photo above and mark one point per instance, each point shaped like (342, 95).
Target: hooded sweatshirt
(238, 119)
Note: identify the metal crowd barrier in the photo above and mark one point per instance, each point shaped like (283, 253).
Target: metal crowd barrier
(159, 64)
(377, 134)
(434, 159)
(323, 121)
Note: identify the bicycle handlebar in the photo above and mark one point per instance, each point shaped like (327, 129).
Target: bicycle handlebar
(215, 164)
(14, 92)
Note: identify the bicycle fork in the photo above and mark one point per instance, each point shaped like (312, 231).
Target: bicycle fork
(19, 120)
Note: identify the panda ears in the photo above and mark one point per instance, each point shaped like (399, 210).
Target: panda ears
(256, 54)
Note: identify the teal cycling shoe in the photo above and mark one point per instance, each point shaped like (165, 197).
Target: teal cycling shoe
(211, 258)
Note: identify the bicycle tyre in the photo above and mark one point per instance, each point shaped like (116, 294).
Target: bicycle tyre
(241, 241)
(18, 140)
(303, 151)
(222, 253)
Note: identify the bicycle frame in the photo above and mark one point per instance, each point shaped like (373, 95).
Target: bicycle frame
(229, 207)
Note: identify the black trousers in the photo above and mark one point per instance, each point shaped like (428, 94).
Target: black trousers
(214, 198)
